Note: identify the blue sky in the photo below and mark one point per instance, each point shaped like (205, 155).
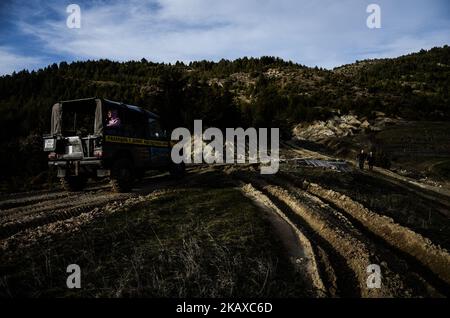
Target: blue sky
(326, 33)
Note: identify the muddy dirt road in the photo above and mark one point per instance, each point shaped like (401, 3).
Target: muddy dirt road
(338, 233)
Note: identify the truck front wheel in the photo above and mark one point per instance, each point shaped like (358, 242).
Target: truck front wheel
(73, 183)
(122, 176)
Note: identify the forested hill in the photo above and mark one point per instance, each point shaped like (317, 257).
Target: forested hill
(264, 92)
(260, 92)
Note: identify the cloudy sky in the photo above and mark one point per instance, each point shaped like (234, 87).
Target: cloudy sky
(326, 33)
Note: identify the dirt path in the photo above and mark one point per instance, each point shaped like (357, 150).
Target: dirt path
(25, 216)
(397, 236)
(347, 238)
(437, 194)
(329, 236)
(296, 243)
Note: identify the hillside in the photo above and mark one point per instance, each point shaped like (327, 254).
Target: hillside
(320, 227)
(264, 92)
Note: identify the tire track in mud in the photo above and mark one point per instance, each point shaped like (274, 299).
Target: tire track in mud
(348, 248)
(24, 201)
(338, 278)
(13, 200)
(299, 248)
(420, 253)
(47, 232)
(51, 210)
(21, 199)
(43, 204)
(17, 195)
(321, 234)
(32, 210)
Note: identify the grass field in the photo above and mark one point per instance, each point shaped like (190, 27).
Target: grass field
(192, 242)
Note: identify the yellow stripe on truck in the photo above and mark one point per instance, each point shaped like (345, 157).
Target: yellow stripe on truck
(136, 141)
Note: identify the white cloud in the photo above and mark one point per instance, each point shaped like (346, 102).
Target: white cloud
(326, 33)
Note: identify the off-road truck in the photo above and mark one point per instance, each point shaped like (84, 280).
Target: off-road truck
(99, 138)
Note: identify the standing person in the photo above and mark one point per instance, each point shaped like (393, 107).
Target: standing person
(371, 160)
(361, 159)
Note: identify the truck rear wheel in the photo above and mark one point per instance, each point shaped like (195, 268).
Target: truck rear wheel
(122, 176)
(73, 183)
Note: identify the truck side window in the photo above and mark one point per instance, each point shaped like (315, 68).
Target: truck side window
(113, 122)
(112, 119)
(155, 130)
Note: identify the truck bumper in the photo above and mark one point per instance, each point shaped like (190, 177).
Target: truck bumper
(66, 167)
(65, 163)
